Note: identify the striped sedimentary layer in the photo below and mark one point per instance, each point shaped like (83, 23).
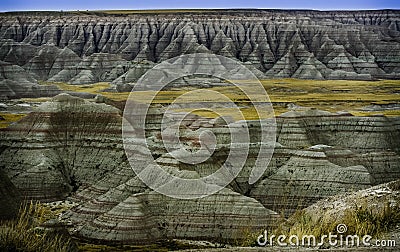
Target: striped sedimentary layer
(148, 216)
(71, 144)
(317, 154)
(305, 178)
(328, 154)
(302, 171)
(66, 143)
(10, 199)
(94, 47)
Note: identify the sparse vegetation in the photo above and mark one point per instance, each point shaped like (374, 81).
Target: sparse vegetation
(362, 219)
(123, 96)
(376, 113)
(24, 233)
(248, 237)
(89, 88)
(330, 95)
(334, 95)
(10, 118)
(373, 221)
(395, 185)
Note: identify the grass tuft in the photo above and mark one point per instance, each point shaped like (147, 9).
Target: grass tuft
(374, 221)
(247, 237)
(362, 219)
(24, 232)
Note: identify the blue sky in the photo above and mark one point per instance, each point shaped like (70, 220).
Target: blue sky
(12, 5)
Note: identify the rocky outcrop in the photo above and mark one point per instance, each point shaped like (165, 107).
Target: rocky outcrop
(302, 44)
(16, 82)
(9, 198)
(305, 178)
(373, 210)
(124, 216)
(48, 60)
(54, 150)
(72, 147)
(102, 66)
(298, 175)
(351, 153)
(311, 159)
(70, 144)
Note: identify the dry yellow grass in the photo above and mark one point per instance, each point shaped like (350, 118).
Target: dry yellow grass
(377, 113)
(330, 95)
(24, 232)
(116, 96)
(361, 220)
(88, 88)
(334, 95)
(10, 118)
(248, 113)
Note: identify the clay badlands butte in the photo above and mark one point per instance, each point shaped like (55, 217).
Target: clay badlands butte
(333, 80)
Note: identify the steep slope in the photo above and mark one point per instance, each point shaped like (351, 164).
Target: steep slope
(9, 198)
(73, 148)
(300, 44)
(16, 82)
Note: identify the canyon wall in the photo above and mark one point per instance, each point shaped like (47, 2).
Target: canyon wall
(72, 148)
(89, 47)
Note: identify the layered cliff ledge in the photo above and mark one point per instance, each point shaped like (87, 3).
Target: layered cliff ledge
(73, 148)
(89, 47)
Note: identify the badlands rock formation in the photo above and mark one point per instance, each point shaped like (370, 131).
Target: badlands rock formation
(76, 150)
(16, 82)
(70, 146)
(379, 202)
(92, 47)
(50, 152)
(9, 198)
(329, 154)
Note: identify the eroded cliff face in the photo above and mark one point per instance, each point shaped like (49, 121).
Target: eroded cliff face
(86, 48)
(69, 144)
(72, 148)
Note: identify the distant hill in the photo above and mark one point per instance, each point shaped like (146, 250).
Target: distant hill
(280, 43)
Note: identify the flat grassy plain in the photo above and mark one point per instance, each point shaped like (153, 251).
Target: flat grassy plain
(334, 95)
(9, 118)
(329, 95)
